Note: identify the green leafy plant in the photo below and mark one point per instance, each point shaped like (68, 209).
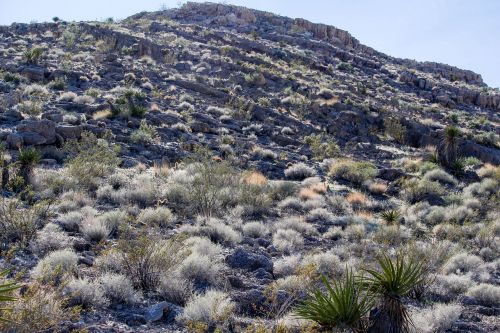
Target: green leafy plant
(91, 158)
(145, 134)
(6, 290)
(32, 56)
(342, 305)
(394, 280)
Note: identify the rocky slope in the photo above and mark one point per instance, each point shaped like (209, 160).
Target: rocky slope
(266, 93)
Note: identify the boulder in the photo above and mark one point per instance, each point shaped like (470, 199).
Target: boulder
(244, 259)
(33, 73)
(162, 310)
(44, 128)
(69, 131)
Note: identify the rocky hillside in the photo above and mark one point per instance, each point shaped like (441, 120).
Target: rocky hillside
(258, 152)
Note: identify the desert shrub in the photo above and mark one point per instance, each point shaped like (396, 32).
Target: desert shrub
(281, 189)
(449, 287)
(299, 171)
(326, 263)
(175, 289)
(485, 188)
(86, 293)
(142, 190)
(217, 231)
(145, 134)
(438, 318)
(33, 55)
(50, 238)
(377, 188)
(486, 294)
(210, 185)
(90, 159)
(287, 265)
(129, 102)
(291, 204)
(255, 229)
(67, 96)
(73, 200)
(319, 215)
(112, 219)
(489, 171)
(287, 240)
(118, 288)
(356, 172)
(111, 261)
(55, 265)
(31, 108)
(159, 216)
(322, 148)
(201, 269)
(83, 99)
(145, 261)
(462, 263)
(94, 229)
(340, 306)
(296, 223)
(212, 307)
(415, 190)
(71, 221)
(441, 176)
(40, 309)
(19, 223)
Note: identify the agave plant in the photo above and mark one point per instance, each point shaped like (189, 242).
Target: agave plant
(341, 306)
(394, 280)
(6, 289)
(390, 216)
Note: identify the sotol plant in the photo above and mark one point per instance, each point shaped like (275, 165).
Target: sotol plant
(394, 280)
(341, 306)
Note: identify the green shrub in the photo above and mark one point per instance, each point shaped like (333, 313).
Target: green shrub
(145, 261)
(342, 305)
(145, 134)
(353, 171)
(322, 148)
(33, 55)
(91, 159)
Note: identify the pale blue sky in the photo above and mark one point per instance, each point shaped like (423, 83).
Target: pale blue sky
(463, 33)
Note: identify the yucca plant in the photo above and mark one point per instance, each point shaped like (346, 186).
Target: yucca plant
(6, 289)
(394, 280)
(27, 160)
(390, 216)
(341, 306)
(449, 145)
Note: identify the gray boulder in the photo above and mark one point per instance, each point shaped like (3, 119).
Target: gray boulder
(244, 259)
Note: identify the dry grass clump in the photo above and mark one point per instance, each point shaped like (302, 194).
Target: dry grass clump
(287, 240)
(211, 308)
(441, 176)
(486, 294)
(299, 171)
(357, 200)
(462, 263)
(118, 288)
(438, 318)
(55, 265)
(159, 216)
(377, 188)
(86, 293)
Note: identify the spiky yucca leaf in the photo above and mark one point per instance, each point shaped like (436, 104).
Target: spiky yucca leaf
(341, 305)
(6, 289)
